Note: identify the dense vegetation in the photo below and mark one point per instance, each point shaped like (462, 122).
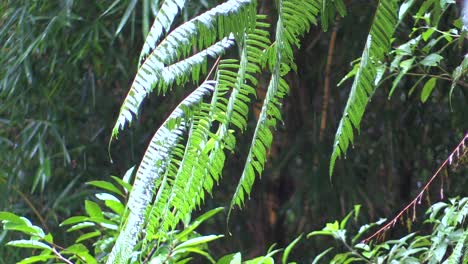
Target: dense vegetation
(222, 92)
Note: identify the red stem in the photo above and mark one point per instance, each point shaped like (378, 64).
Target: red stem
(419, 196)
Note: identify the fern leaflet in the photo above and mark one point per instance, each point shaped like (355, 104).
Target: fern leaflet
(295, 18)
(154, 164)
(366, 79)
(220, 22)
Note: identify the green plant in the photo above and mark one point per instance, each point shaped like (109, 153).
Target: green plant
(186, 155)
(447, 243)
(182, 173)
(101, 226)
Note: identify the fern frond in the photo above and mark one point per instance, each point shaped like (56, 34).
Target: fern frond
(459, 250)
(231, 17)
(193, 67)
(295, 18)
(203, 159)
(161, 25)
(153, 165)
(377, 45)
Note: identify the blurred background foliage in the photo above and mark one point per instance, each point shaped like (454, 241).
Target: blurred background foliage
(66, 66)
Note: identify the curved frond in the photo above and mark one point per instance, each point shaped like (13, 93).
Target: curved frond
(295, 18)
(367, 76)
(193, 67)
(201, 162)
(153, 165)
(161, 25)
(234, 16)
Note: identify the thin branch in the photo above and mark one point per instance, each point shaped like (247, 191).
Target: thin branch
(326, 87)
(61, 257)
(453, 157)
(31, 205)
(442, 77)
(213, 68)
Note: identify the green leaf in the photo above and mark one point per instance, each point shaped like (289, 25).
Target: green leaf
(350, 74)
(235, 258)
(93, 209)
(404, 7)
(115, 206)
(427, 89)
(49, 238)
(125, 184)
(198, 251)
(80, 226)
(107, 197)
(357, 209)
(198, 241)
(405, 67)
(289, 248)
(74, 219)
(320, 233)
(427, 34)
(75, 249)
(10, 217)
(431, 60)
(321, 255)
(29, 244)
(345, 220)
(88, 236)
(106, 186)
(126, 15)
(261, 260)
(82, 252)
(25, 227)
(34, 259)
(188, 230)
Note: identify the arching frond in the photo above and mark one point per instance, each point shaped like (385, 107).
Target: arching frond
(234, 16)
(153, 165)
(161, 25)
(193, 67)
(295, 18)
(201, 162)
(172, 179)
(367, 75)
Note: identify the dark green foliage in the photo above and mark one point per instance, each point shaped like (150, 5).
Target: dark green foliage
(446, 243)
(370, 70)
(217, 87)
